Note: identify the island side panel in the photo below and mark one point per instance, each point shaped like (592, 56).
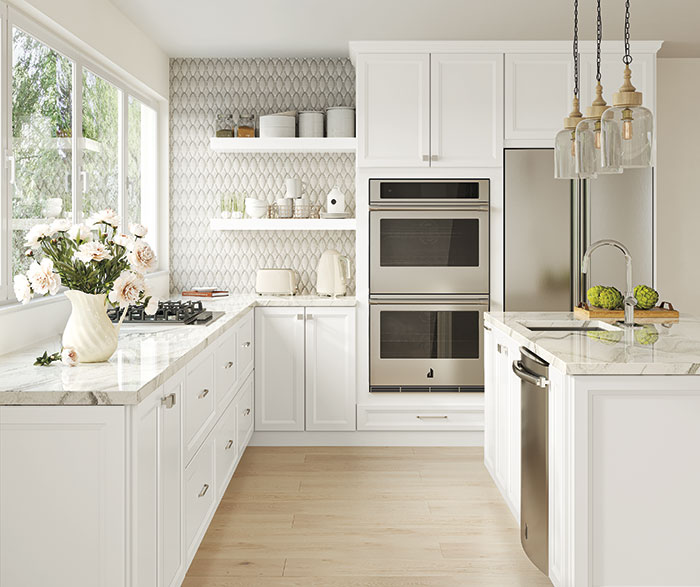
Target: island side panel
(636, 480)
(62, 495)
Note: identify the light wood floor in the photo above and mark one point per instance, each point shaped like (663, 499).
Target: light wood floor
(374, 516)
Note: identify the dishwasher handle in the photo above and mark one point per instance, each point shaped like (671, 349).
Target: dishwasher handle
(525, 375)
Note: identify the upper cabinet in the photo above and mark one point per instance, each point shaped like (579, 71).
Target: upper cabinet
(466, 105)
(393, 110)
(429, 110)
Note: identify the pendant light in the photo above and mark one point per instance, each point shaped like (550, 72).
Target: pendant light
(627, 127)
(589, 160)
(565, 141)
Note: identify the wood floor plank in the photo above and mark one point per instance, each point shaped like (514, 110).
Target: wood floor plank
(362, 516)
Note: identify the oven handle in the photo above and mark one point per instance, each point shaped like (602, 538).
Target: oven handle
(438, 300)
(480, 207)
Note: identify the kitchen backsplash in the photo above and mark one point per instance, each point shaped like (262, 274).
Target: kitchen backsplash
(201, 88)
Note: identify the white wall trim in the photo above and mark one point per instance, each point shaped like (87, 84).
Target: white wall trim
(369, 438)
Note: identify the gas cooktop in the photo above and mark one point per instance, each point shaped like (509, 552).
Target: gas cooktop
(169, 312)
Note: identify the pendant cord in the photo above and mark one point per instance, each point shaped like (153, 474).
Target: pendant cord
(627, 59)
(599, 37)
(576, 54)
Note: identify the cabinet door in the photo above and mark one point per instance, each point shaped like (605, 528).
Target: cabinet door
(538, 93)
(512, 388)
(490, 378)
(279, 369)
(502, 413)
(393, 110)
(245, 347)
(225, 369)
(330, 369)
(171, 481)
(466, 106)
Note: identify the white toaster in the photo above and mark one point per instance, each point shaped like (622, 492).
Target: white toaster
(276, 282)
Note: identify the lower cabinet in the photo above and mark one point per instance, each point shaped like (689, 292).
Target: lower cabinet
(305, 369)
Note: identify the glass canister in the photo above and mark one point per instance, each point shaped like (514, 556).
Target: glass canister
(224, 125)
(246, 125)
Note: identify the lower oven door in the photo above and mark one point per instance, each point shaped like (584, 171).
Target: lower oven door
(418, 344)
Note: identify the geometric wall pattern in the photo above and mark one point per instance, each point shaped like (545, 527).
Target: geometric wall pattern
(199, 90)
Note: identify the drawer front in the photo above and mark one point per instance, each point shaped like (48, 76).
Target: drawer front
(244, 412)
(200, 403)
(226, 443)
(200, 493)
(225, 368)
(246, 347)
(415, 418)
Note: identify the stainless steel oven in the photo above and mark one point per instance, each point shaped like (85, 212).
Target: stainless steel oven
(427, 345)
(429, 237)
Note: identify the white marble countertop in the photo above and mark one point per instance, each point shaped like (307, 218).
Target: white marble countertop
(146, 357)
(654, 349)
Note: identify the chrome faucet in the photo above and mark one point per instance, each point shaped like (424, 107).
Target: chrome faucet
(629, 301)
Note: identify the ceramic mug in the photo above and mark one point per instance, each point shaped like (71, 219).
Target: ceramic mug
(294, 187)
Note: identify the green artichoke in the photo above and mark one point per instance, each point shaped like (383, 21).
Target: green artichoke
(647, 334)
(593, 295)
(646, 297)
(610, 298)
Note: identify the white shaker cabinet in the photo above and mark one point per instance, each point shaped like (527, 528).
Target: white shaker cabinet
(538, 94)
(393, 114)
(330, 369)
(305, 369)
(279, 368)
(466, 106)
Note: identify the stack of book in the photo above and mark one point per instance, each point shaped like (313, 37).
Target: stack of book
(206, 292)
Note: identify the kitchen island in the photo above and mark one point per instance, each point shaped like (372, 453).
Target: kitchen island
(110, 473)
(623, 444)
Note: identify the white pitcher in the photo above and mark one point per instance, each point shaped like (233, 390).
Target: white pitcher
(89, 330)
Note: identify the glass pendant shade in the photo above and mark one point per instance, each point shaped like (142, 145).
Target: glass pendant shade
(589, 140)
(628, 134)
(565, 154)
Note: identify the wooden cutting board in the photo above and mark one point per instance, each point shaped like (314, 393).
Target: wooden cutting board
(664, 312)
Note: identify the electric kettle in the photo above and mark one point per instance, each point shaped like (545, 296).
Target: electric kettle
(333, 274)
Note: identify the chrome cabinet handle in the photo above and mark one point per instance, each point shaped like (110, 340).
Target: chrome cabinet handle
(300, 316)
(168, 401)
(228, 365)
(487, 328)
(245, 345)
(309, 316)
(433, 157)
(229, 444)
(502, 349)
(204, 490)
(247, 412)
(426, 157)
(205, 393)
(432, 417)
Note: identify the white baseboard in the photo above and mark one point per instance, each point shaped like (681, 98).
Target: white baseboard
(369, 438)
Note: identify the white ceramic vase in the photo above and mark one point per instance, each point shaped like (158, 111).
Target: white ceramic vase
(89, 330)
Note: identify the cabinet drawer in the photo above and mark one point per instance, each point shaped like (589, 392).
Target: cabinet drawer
(246, 347)
(200, 494)
(416, 418)
(244, 412)
(225, 441)
(200, 403)
(225, 367)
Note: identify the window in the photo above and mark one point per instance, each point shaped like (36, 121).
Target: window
(78, 141)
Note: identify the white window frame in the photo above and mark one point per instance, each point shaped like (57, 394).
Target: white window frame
(10, 18)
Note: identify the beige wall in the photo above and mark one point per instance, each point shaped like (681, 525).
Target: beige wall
(678, 165)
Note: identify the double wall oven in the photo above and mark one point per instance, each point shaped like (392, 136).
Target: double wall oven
(429, 284)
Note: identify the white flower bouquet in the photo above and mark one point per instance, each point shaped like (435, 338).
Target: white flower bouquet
(97, 259)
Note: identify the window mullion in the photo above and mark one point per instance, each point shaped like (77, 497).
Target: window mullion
(123, 157)
(5, 188)
(77, 143)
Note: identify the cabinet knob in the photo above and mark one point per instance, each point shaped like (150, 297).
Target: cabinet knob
(245, 345)
(228, 365)
(168, 401)
(426, 157)
(204, 490)
(229, 444)
(205, 393)
(247, 412)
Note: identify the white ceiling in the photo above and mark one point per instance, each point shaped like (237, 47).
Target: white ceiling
(315, 28)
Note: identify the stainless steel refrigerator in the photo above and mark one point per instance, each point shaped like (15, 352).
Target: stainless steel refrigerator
(550, 222)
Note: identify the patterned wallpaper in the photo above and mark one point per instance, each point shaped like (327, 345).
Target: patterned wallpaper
(201, 88)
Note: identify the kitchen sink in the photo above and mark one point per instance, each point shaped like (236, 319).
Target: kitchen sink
(569, 326)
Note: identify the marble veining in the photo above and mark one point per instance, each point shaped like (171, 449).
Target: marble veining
(653, 349)
(146, 357)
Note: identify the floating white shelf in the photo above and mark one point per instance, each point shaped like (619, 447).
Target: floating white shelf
(283, 145)
(283, 224)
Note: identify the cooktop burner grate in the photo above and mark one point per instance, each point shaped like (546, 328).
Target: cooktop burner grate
(169, 312)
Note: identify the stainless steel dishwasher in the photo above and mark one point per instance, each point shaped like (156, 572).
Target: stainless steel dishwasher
(534, 471)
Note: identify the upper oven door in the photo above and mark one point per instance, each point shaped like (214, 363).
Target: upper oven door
(429, 251)
(433, 192)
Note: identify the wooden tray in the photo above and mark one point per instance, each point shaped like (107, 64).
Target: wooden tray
(664, 312)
